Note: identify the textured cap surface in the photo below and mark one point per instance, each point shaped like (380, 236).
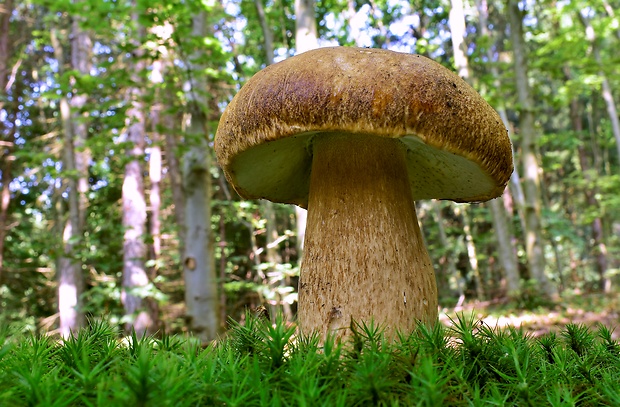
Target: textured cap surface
(458, 147)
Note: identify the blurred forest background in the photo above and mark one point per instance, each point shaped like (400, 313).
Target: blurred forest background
(112, 204)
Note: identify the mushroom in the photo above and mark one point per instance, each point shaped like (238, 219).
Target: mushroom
(356, 136)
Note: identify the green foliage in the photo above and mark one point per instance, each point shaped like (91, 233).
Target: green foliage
(264, 364)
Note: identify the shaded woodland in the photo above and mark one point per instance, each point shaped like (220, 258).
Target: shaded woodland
(112, 204)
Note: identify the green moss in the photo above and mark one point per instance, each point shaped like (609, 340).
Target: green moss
(260, 364)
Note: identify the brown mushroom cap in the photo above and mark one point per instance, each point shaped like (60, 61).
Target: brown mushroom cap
(458, 147)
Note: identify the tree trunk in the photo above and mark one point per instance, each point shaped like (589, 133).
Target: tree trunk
(306, 37)
(500, 215)
(6, 148)
(155, 163)
(503, 233)
(505, 247)
(155, 171)
(176, 179)
(446, 261)
(135, 277)
(534, 243)
(267, 34)
(81, 47)
(472, 255)
(6, 144)
(70, 279)
(606, 90)
(459, 47)
(201, 296)
(598, 239)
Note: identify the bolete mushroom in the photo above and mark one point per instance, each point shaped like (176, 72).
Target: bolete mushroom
(356, 136)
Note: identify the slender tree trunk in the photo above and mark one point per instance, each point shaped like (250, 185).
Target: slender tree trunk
(267, 33)
(155, 162)
(459, 47)
(611, 13)
(472, 254)
(135, 276)
(201, 296)
(306, 36)
(505, 247)
(155, 174)
(176, 179)
(446, 261)
(534, 243)
(606, 90)
(500, 216)
(5, 196)
(507, 256)
(155, 171)
(6, 142)
(598, 239)
(81, 50)
(134, 222)
(70, 279)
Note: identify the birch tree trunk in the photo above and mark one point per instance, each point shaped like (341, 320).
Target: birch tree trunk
(534, 242)
(201, 296)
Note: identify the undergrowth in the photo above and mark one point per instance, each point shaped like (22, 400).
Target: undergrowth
(260, 364)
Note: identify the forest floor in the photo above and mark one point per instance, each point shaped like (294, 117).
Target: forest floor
(587, 309)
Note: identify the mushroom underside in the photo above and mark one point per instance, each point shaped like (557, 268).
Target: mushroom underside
(279, 171)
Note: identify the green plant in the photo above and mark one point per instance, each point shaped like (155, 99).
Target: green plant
(263, 364)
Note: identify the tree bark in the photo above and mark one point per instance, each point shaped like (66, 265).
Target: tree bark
(503, 233)
(6, 142)
(446, 261)
(201, 296)
(155, 163)
(459, 47)
(534, 243)
(135, 277)
(81, 50)
(176, 179)
(306, 37)
(500, 215)
(598, 239)
(70, 279)
(606, 90)
(267, 34)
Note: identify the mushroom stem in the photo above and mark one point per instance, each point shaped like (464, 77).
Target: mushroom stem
(364, 257)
